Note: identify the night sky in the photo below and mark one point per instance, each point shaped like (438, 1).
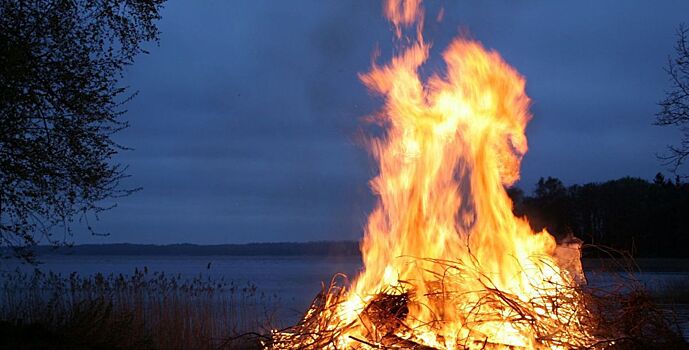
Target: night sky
(248, 120)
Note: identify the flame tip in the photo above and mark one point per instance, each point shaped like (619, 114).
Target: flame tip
(442, 248)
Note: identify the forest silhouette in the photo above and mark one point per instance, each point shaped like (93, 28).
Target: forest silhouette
(644, 218)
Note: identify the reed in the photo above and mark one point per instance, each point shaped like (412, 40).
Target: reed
(143, 310)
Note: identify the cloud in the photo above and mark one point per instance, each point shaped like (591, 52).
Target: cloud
(245, 126)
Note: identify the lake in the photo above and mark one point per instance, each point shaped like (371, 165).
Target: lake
(294, 280)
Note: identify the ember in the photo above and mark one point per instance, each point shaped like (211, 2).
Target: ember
(447, 264)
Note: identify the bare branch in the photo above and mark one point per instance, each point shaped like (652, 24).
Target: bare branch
(674, 108)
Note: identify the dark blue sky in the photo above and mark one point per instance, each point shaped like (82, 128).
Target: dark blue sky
(247, 121)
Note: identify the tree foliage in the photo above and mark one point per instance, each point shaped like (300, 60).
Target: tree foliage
(60, 104)
(645, 218)
(674, 108)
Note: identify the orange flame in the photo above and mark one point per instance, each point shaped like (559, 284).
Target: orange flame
(452, 146)
(403, 13)
(443, 231)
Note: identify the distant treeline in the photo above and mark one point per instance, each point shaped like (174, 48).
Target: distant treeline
(648, 219)
(344, 248)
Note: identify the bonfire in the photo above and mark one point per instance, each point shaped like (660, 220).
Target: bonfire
(447, 265)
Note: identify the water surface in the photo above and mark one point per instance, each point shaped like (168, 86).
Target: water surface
(295, 280)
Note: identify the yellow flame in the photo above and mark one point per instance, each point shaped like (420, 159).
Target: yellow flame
(443, 231)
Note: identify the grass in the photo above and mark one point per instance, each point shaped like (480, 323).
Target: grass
(138, 311)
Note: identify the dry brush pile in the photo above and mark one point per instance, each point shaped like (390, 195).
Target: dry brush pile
(622, 315)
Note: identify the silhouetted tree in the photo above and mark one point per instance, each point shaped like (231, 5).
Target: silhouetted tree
(550, 207)
(517, 196)
(675, 106)
(60, 104)
(645, 218)
(659, 179)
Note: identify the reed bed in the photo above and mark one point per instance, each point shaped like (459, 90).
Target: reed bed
(143, 310)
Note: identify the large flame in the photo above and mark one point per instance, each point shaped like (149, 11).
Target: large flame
(443, 232)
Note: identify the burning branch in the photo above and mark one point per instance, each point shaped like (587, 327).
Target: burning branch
(447, 264)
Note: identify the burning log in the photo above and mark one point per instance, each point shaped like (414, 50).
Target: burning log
(386, 313)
